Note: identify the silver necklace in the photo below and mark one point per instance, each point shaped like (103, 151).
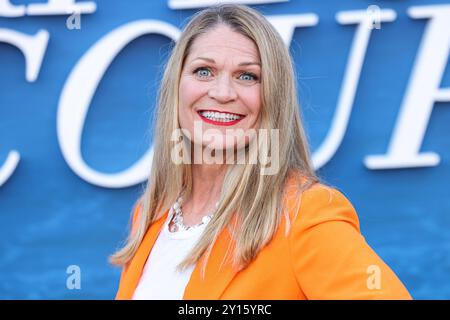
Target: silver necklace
(178, 224)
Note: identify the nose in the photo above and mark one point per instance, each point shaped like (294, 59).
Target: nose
(222, 90)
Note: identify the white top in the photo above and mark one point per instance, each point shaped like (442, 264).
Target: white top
(160, 280)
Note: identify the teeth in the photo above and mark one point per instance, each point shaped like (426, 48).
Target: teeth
(219, 116)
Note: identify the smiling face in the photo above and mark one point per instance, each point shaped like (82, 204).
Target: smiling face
(220, 87)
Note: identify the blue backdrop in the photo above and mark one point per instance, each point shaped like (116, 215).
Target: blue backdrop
(51, 218)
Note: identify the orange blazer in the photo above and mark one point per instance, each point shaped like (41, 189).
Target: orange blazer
(323, 256)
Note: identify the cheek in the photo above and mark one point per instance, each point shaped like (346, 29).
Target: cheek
(189, 92)
(252, 99)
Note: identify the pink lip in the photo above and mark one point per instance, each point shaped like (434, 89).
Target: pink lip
(218, 123)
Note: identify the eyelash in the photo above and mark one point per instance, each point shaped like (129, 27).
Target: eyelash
(255, 77)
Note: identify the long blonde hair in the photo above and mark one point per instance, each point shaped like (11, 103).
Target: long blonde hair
(255, 199)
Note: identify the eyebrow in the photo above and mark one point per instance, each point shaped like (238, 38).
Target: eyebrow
(240, 64)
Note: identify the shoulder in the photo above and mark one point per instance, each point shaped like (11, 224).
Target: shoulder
(318, 204)
(329, 256)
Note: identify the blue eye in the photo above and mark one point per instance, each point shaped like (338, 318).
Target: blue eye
(202, 72)
(249, 76)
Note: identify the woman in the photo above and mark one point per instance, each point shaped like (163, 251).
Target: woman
(240, 229)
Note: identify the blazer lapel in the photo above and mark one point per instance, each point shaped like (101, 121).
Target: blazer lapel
(218, 273)
(134, 270)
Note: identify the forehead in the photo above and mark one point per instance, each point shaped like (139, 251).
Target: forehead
(223, 42)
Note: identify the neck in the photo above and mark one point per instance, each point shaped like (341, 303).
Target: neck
(207, 183)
